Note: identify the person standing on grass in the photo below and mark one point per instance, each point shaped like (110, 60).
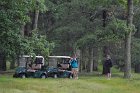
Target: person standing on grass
(74, 67)
(107, 66)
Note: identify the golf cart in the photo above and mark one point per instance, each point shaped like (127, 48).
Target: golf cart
(30, 67)
(59, 67)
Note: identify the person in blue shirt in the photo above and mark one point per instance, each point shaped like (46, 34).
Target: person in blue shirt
(74, 67)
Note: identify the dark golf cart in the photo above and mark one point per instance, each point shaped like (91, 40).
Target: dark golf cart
(59, 67)
(30, 67)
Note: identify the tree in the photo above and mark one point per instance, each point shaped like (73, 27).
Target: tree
(13, 17)
(127, 72)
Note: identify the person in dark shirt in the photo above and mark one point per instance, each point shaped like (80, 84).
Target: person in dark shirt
(107, 66)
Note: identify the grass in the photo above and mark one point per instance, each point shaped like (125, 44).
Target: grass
(85, 84)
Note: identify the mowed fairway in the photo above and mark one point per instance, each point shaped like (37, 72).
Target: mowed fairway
(85, 84)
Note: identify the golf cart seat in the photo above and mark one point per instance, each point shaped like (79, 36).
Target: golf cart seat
(36, 66)
(31, 70)
(64, 66)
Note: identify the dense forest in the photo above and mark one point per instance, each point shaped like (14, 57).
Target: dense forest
(91, 29)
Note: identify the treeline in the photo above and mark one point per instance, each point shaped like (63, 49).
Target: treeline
(95, 29)
(91, 29)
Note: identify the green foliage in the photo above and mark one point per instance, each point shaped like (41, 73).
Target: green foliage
(87, 40)
(118, 28)
(39, 5)
(122, 3)
(79, 23)
(39, 45)
(136, 2)
(13, 15)
(72, 21)
(114, 31)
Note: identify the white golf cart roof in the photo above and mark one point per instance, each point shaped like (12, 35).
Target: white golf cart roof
(31, 56)
(59, 56)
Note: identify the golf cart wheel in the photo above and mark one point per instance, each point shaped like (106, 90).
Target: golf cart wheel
(55, 76)
(14, 76)
(22, 76)
(43, 76)
(70, 76)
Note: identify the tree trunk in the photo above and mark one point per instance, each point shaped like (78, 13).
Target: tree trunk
(12, 64)
(34, 25)
(127, 72)
(27, 29)
(78, 54)
(18, 60)
(85, 59)
(95, 59)
(82, 60)
(80, 63)
(35, 19)
(137, 68)
(106, 51)
(91, 58)
(2, 62)
(95, 65)
(104, 16)
(83, 64)
(22, 30)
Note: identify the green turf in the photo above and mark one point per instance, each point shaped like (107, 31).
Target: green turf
(85, 84)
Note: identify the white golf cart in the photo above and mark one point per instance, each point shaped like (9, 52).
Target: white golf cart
(30, 67)
(58, 66)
